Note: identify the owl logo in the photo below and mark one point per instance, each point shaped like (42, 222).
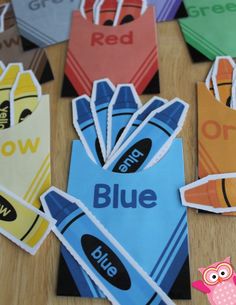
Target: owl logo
(218, 283)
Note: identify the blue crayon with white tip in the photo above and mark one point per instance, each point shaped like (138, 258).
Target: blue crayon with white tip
(151, 140)
(125, 102)
(102, 93)
(84, 125)
(138, 117)
(112, 269)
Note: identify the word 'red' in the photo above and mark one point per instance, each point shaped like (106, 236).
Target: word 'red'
(100, 39)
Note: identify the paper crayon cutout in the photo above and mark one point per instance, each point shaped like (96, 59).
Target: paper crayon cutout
(151, 140)
(25, 96)
(11, 50)
(166, 260)
(129, 10)
(106, 12)
(102, 93)
(25, 155)
(131, 58)
(7, 80)
(222, 77)
(21, 223)
(125, 102)
(2, 67)
(168, 10)
(38, 22)
(3, 10)
(85, 127)
(138, 117)
(209, 29)
(214, 193)
(87, 9)
(100, 255)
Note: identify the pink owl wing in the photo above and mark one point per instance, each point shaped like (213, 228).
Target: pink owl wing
(199, 285)
(234, 278)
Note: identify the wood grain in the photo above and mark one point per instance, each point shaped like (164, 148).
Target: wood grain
(26, 280)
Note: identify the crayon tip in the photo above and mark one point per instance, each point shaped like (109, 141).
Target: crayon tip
(81, 107)
(59, 206)
(25, 84)
(198, 194)
(104, 92)
(172, 114)
(225, 69)
(126, 97)
(154, 105)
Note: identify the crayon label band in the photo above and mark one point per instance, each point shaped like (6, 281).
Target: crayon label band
(134, 157)
(105, 261)
(7, 212)
(5, 115)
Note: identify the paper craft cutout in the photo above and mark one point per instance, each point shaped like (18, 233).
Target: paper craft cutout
(168, 10)
(99, 253)
(102, 93)
(214, 193)
(25, 155)
(151, 140)
(166, 259)
(38, 22)
(25, 96)
(7, 81)
(24, 225)
(125, 102)
(124, 54)
(210, 28)
(136, 120)
(11, 51)
(216, 135)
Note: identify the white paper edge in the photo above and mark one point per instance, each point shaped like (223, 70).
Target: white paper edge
(110, 111)
(113, 241)
(215, 71)
(81, 8)
(77, 127)
(132, 120)
(200, 182)
(2, 19)
(95, 116)
(19, 243)
(118, 10)
(96, 9)
(12, 92)
(165, 146)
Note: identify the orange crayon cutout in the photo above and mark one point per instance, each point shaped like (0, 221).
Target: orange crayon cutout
(224, 80)
(108, 12)
(88, 8)
(130, 10)
(219, 193)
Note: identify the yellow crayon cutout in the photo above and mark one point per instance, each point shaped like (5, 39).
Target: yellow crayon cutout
(24, 97)
(222, 79)
(22, 223)
(7, 80)
(2, 67)
(214, 193)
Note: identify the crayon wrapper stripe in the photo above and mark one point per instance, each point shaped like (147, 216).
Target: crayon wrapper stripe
(37, 233)
(76, 76)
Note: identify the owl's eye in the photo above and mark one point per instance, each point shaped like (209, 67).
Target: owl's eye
(213, 277)
(210, 276)
(225, 271)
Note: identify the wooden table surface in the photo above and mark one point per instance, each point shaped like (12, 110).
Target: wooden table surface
(28, 280)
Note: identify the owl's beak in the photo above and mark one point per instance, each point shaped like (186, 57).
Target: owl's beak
(220, 280)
